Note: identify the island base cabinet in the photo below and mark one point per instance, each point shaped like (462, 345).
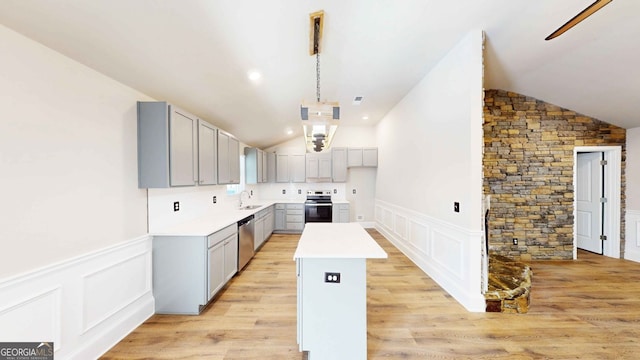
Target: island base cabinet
(332, 317)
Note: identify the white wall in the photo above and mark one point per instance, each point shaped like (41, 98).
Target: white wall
(73, 221)
(632, 217)
(430, 156)
(633, 169)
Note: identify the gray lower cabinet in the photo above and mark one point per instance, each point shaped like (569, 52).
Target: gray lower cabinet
(167, 146)
(264, 223)
(340, 213)
(294, 218)
(279, 223)
(289, 218)
(188, 271)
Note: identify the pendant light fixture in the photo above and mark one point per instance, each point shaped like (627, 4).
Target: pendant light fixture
(319, 119)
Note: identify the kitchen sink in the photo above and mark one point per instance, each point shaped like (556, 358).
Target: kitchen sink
(250, 207)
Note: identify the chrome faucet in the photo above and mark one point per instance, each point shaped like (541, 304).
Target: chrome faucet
(248, 196)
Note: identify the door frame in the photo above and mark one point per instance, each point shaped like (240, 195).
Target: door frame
(612, 190)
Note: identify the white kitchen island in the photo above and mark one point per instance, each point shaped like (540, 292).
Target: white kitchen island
(332, 290)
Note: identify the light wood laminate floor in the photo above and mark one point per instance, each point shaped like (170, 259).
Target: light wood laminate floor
(584, 309)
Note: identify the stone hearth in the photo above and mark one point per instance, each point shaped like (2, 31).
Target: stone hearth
(509, 285)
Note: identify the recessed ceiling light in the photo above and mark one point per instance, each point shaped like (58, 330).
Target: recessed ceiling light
(289, 131)
(254, 75)
(365, 117)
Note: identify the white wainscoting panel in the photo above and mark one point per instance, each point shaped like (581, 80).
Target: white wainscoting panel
(85, 305)
(104, 298)
(447, 252)
(35, 317)
(450, 255)
(632, 233)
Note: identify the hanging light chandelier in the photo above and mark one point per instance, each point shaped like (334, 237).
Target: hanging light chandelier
(319, 118)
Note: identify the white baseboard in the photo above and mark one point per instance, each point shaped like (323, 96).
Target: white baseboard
(632, 235)
(450, 255)
(368, 224)
(85, 305)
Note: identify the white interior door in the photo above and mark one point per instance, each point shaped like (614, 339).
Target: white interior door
(589, 191)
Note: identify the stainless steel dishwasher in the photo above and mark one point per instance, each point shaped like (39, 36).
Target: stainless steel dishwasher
(245, 241)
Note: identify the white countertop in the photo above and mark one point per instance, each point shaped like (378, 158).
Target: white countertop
(337, 240)
(207, 225)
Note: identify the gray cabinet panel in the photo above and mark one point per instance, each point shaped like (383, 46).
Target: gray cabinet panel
(282, 168)
(224, 175)
(234, 161)
(297, 168)
(167, 146)
(207, 154)
(182, 149)
(339, 164)
(255, 166)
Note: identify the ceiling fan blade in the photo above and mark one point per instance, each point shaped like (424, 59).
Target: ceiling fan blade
(599, 4)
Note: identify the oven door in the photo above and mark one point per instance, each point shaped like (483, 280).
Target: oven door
(318, 212)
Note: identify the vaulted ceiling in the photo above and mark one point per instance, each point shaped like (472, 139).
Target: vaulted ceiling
(197, 53)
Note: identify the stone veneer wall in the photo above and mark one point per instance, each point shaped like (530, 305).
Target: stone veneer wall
(528, 171)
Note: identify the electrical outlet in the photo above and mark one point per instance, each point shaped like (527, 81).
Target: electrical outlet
(456, 206)
(515, 241)
(284, 191)
(299, 191)
(176, 206)
(251, 193)
(215, 199)
(335, 191)
(354, 191)
(332, 277)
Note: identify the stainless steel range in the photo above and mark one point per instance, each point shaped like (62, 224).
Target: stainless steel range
(318, 207)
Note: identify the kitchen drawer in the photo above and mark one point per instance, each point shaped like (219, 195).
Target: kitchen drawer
(295, 212)
(280, 206)
(295, 218)
(295, 206)
(295, 225)
(262, 213)
(218, 236)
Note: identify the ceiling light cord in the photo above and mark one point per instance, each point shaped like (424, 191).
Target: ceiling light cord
(318, 76)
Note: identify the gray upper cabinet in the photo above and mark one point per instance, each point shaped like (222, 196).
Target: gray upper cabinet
(339, 164)
(363, 157)
(234, 160)
(207, 153)
(271, 166)
(255, 166)
(167, 146)
(290, 168)
(265, 167)
(297, 165)
(282, 168)
(228, 159)
(370, 157)
(318, 167)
